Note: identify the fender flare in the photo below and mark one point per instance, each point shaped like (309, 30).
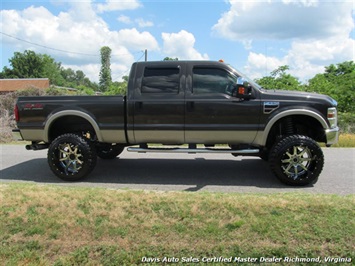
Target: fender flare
(265, 134)
(81, 114)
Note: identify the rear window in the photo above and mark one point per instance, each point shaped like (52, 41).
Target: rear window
(160, 80)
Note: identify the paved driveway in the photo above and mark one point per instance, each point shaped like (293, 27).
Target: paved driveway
(181, 172)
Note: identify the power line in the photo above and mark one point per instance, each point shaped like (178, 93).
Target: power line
(125, 72)
(59, 50)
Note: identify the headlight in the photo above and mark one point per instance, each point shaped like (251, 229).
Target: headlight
(332, 117)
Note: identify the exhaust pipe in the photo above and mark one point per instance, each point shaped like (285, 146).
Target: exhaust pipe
(36, 146)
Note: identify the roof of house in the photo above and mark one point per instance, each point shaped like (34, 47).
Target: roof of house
(21, 84)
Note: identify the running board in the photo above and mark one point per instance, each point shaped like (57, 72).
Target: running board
(197, 150)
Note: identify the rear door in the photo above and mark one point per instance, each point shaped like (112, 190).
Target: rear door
(158, 104)
(213, 115)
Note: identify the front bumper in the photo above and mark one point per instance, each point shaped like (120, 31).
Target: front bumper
(332, 136)
(16, 134)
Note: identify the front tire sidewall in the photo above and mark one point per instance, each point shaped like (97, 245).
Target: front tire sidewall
(278, 153)
(86, 150)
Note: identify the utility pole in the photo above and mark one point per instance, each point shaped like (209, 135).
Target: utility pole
(146, 55)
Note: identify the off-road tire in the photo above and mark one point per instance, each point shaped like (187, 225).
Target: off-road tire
(108, 151)
(296, 160)
(71, 157)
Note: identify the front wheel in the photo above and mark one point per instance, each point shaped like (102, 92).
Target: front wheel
(296, 160)
(71, 157)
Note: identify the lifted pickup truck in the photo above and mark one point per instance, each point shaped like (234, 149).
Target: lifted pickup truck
(183, 102)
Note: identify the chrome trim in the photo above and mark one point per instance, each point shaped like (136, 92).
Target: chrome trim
(198, 150)
(60, 114)
(269, 107)
(332, 135)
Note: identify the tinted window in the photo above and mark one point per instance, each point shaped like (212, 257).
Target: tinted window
(212, 80)
(160, 80)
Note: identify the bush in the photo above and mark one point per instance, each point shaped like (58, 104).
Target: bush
(7, 105)
(347, 123)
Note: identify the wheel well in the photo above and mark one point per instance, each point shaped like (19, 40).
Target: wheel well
(70, 124)
(296, 124)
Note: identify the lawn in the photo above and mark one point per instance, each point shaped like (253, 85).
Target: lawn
(54, 225)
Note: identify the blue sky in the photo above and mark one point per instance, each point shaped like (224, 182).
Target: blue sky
(254, 36)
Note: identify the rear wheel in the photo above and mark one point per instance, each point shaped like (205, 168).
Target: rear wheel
(71, 157)
(296, 160)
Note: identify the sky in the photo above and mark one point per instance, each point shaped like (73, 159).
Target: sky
(256, 37)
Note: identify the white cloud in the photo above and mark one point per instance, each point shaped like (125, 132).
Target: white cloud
(181, 45)
(305, 59)
(260, 65)
(318, 33)
(80, 35)
(139, 21)
(136, 40)
(90, 70)
(306, 3)
(116, 5)
(81, 11)
(255, 20)
(124, 19)
(144, 23)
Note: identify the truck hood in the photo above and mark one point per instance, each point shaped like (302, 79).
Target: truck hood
(298, 96)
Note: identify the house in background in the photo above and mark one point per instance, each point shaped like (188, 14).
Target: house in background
(10, 85)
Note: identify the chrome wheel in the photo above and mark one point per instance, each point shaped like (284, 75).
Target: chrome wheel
(296, 161)
(70, 158)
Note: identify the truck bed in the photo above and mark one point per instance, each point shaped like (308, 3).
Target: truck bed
(106, 114)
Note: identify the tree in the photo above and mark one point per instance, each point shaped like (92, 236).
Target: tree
(170, 59)
(280, 80)
(118, 88)
(34, 65)
(105, 72)
(337, 81)
(52, 70)
(25, 65)
(344, 68)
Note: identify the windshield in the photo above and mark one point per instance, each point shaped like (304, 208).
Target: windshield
(243, 78)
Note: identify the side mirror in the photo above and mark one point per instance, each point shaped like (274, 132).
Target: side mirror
(243, 91)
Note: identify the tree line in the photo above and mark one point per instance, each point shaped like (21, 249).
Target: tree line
(30, 64)
(337, 81)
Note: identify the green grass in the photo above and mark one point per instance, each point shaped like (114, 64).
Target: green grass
(47, 225)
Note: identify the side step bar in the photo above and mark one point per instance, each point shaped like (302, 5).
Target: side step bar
(197, 150)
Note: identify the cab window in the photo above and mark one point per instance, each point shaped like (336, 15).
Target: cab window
(212, 80)
(160, 80)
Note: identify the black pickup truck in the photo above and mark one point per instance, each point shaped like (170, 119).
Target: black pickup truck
(184, 106)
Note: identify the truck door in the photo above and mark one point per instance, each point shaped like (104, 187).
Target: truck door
(213, 115)
(158, 104)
